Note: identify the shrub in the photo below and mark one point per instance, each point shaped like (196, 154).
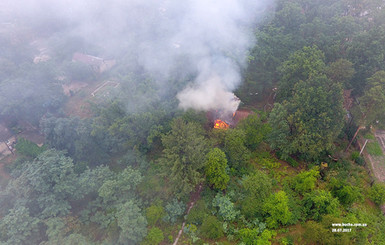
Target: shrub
(345, 192)
(267, 161)
(277, 207)
(355, 155)
(154, 213)
(211, 228)
(252, 237)
(215, 169)
(154, 236)
(197, 214)
(306, 180)
(174, 210)
(292, 162)
(377, 193)
(360, 161)
(28, 148)
(226, 207)
(318, 203)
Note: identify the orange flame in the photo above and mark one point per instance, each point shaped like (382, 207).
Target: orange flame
(220, 124)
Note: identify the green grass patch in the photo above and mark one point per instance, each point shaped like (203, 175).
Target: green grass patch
(369, 136)
(374, 149)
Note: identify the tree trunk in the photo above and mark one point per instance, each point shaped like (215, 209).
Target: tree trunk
(355, 135)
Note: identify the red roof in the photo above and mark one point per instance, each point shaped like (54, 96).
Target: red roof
(240, 115)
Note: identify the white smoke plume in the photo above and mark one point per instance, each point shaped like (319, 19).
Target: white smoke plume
(221, 32)
(209, 95)
(214, 35)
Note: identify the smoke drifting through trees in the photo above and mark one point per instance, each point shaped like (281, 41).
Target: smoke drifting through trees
(213, 36)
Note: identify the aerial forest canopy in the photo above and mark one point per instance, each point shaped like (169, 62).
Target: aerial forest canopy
(108, 113)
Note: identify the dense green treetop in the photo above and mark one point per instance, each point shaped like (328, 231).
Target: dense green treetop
(184, 156)
(301, 66)
(373, 101)
(48, 184)
(215, 169)
(277, 209)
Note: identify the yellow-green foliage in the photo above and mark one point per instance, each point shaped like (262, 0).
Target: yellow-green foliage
(215, 169)
(267, 161)
(154, 213)
(306, 181)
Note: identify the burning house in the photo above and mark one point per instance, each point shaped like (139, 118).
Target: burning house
(226, 118)
(225, 121)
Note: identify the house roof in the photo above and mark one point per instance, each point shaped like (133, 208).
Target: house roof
(88, 59)
(240, 115)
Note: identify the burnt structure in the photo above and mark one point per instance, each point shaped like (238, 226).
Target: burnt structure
(221, 120)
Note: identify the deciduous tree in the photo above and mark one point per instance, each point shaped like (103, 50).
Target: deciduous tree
(184, 156)
(215, 169)
(277, 209)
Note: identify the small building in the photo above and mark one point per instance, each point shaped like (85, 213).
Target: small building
(97, 64)
(225, 121)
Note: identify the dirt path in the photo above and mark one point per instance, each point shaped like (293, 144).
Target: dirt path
(377, 163)
(193, 199)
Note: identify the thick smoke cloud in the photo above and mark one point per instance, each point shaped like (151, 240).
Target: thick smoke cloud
(214, 35)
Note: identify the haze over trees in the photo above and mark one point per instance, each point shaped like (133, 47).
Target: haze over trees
(130, 153)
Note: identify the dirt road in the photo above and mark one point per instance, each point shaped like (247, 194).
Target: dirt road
(377, 163)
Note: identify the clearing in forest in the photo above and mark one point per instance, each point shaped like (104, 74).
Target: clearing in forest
(79, 102)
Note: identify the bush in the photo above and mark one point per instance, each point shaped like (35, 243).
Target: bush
(226, 207)
(342, 165)
(211, 228)
(252, 237)
(266, 160)
(154, 213)
(345, 192)
(251, 207)
(377, 193)
(197, 214)
(292, 162)
(154, 236)
(28, 148)
(318, 203)
(355, 155)
(278, 210)
(306, 181)
(360, 161)
(174, 210)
